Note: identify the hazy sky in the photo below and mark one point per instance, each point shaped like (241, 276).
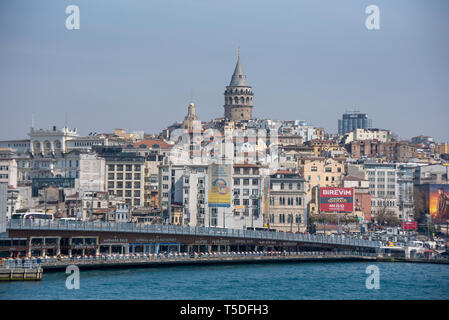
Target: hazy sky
(134, 64)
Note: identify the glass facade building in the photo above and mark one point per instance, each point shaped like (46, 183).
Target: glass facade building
(352, 121)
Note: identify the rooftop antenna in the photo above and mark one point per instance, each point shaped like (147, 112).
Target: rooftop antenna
(32, 120)
(65, 122)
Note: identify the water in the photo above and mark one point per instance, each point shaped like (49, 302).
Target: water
(264, 281)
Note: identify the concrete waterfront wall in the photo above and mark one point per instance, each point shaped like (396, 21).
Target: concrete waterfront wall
(20, 274)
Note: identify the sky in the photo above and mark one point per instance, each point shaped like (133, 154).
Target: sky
(136, 64)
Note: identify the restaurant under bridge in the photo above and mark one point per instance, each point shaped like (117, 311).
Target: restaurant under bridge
(73, 238)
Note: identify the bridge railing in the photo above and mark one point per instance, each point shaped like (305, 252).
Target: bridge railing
(187, 230)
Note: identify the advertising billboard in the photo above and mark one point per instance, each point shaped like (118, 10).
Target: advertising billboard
(336, 199)
(409, 225)
(434, 200)
(219, 185)
(439, 202)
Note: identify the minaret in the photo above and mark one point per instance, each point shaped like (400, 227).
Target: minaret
(190, 120)
(238, 96)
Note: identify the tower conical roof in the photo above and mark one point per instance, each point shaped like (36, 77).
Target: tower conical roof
(238, 78)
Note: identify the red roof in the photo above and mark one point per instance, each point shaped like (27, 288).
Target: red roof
(152, 142)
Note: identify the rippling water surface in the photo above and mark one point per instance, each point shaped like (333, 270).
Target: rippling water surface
(264, 281)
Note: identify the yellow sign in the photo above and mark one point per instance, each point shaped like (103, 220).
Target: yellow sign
(219, 185)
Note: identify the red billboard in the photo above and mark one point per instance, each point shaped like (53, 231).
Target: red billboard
(409, 225)
(336, 199)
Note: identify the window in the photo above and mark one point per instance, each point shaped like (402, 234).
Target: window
(129, 167)
(281, 218)
(314, 169)
(255, 182)
(328, 169)
(236, 182)
(111, 167)
(137, 167)
(129, 176)
(120, 167)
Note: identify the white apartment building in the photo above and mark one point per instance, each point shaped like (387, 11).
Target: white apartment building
(184, 190)
(383, 187)
(368, 134)
(8, 172)
(125, 177)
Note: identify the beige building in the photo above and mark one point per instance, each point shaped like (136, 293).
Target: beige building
(287, 202)
(320, 172)
(125, 178)
(442, 148)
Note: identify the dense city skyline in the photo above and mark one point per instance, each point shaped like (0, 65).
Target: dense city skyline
(126, 64)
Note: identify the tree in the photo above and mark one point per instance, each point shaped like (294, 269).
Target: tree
(311, 226)
(387, 217)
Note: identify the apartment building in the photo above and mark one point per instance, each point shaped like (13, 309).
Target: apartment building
(287, 202)
(383, 187)
(320, 172)
(125, 177)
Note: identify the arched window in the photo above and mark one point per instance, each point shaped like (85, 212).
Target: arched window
(236, 100)
(242, 100)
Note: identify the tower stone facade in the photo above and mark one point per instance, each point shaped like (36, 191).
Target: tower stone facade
(238, 96)
(191, 121)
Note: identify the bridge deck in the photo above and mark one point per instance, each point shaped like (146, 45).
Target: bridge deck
(99, 226)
